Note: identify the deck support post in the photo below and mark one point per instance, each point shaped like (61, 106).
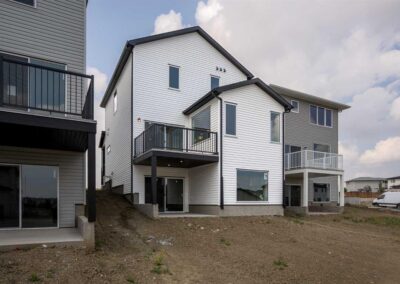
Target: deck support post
(154, 179)
(341, 190)
(305, 189)
(91, 191)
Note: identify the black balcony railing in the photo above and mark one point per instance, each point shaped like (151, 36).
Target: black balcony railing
(165, 137)
(35, 87)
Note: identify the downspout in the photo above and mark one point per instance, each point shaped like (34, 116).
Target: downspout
(221, 185)
(131, 170)
(283, 157)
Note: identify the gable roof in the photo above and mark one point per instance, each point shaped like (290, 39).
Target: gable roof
(132, 43)
(307, 97)
(217, 91)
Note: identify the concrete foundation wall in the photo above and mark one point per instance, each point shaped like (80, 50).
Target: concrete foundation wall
(87, 231)
(358, 201)
(150, 210)
(238, 210)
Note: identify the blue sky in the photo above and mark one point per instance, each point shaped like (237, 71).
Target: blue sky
(346, 51)
(111, 23)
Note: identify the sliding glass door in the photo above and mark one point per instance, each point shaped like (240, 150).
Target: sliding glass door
(9, 196)
(28, 196)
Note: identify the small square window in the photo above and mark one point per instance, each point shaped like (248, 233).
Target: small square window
(295, 105)
(174, 77)
(214, 82)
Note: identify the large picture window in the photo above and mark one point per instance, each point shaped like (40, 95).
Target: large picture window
(252, 185)
(201, 124)
(321, 192)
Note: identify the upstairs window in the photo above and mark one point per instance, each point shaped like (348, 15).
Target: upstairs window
(115, 102)
(295, 105)
(321, 116)
(201, 123)
(173, 77)
(214, 82)
(230, 119)
(275, 127)
(26, 2)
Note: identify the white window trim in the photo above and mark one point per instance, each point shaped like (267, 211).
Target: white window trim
(215, 76)
(115, 105)
(280, 128)
(330, 192)
(316, 124)
(179, 77)
(298, 106)
(34, 3)
(226, 134)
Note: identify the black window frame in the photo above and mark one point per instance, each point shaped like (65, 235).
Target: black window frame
(170, 79)
(265, 196)
(234, 121)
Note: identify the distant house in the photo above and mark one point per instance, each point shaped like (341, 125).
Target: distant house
(372, 184)
(393, 182)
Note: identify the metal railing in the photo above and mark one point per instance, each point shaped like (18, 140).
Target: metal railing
(165, 137)
(313, 159)
(34, 87)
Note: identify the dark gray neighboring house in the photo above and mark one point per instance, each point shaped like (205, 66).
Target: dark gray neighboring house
(313, 167)
(47, 141)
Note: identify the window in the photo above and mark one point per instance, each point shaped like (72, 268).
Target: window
(214, 82)
(320, 116)
(173, 77)
(292, 149)
(321, 192)
(27, 2)
(275, 127)
(201, 122)
(115, 102)
(230, 119)
(322, 148)
(108, 149)
(252, 185)
(296, 106)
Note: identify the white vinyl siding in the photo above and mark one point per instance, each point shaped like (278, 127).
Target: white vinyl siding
(118, 131)
(251, 150)
(72, 175)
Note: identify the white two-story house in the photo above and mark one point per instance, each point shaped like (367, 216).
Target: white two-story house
(188, 129)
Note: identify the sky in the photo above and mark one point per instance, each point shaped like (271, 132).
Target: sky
(347, 51)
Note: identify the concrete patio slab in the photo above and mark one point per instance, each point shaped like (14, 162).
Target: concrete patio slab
(19, 238)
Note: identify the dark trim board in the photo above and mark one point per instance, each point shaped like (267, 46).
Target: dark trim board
(47, 122)
(217, 91)
(132, 43)
(175, 159)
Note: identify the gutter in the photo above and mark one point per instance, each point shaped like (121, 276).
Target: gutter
(221, 185)
(131, 158)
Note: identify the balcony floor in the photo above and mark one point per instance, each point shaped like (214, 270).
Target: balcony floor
(176, 159)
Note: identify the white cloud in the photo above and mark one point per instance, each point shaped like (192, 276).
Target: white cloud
(395, 109)
(100, 81)
(168, 22)
(384, 151)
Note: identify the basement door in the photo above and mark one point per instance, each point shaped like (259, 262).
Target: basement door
(28, 196)
(169, 194)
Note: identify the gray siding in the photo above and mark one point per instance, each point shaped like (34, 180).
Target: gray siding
(300, 132)
(71, 175)
(54, 30)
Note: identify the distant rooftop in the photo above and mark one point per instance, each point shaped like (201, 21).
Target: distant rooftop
(367, 179)
(307, 97)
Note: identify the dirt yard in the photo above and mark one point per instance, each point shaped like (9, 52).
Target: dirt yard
(360, 246)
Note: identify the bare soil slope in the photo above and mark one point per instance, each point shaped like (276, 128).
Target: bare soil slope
(360, 246)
